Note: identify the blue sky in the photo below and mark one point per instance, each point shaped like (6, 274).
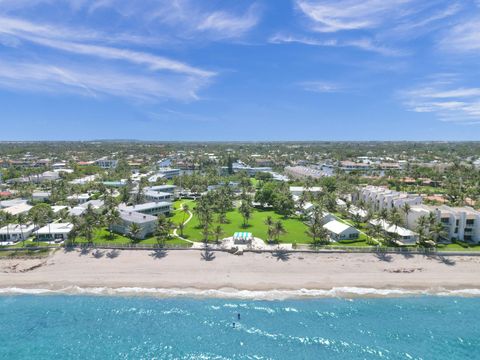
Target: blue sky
(240, 70)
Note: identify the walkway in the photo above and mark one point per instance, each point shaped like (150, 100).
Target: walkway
(185, 223)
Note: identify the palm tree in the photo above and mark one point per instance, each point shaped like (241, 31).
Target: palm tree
(406, 208)
(162, 230)
(269, 221)
(134, 231)
(21, 219)
(270, 233)
(218, 233)
(437, 232)
(245, 210)
(318, 234)
(279, 229)
(112, 218)
(186, 211)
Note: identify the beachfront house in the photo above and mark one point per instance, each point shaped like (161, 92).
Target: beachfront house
(340, 231)
(13, 233)
(400, 235)
(57, 232)
(146, 223)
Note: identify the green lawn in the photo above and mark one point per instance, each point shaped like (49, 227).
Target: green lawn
(102, 236)
(178, 215)
(256, 225)
(458, 247)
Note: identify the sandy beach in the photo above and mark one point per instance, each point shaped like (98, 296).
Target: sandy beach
(187, 272)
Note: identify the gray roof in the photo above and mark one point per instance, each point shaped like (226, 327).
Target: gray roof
(136, 217)
(146, 206)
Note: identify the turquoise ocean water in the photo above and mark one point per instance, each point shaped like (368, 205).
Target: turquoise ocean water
(103, 327)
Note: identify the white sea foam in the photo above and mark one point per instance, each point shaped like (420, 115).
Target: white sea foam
(228, 293)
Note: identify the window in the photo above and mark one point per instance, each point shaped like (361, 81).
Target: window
(470, 221)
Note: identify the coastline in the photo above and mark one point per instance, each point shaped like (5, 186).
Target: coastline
(250, 276)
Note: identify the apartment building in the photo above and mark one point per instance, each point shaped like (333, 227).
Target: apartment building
(461, 223)
(105, 163)
(151, 208)
(145, 222)
(382, 198)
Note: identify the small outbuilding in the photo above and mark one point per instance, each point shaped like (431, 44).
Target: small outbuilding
(242, 237)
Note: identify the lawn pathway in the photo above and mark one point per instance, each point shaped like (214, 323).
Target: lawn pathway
(190, 216)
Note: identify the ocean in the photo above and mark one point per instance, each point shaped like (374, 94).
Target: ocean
(116, 327)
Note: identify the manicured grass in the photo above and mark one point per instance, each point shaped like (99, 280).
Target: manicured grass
(178, 215)
(102, 236)
(256, 225)
(458, 247)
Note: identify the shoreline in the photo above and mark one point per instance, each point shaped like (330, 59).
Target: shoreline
(251, 276)
(235, 294)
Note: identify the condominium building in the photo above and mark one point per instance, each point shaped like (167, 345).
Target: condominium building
(151, 208)
(382, 198)
(146, 223)
(105, 163)
(460, 223)
(163, 188)
(303, 172)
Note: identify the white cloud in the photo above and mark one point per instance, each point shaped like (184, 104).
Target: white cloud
(229, 25)
(321, 86)
(338, 15)
(96, 82)
(361, 43)
(463, 37)
(156, 76)
(445, 99)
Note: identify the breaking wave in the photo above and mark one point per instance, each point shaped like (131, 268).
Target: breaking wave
(230, 293)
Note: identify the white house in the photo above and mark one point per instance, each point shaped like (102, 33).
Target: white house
(14, 232)
(79, 198)
(41, 195)
(54, 232)
(18, 209)
(12, 202)
(340, 231)
(298, 190)
(401, 235)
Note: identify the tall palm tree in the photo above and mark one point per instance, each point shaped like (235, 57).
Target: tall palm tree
(218, 233)
(163, 228)
(21, 219)
(112, 217)
(406, 208)
(186, 211)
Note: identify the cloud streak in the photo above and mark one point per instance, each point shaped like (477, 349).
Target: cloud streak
(446, 99)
